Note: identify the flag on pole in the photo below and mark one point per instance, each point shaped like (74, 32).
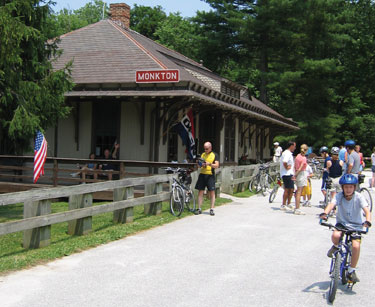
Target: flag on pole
(185, 128)
(40, 154)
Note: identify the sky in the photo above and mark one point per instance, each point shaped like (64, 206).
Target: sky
(187, 8)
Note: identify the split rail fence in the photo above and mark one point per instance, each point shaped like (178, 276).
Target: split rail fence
(37, 218)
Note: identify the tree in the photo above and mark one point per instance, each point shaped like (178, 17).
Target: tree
(67, 20)
(31, 93)
(179, 34)
(145, 20)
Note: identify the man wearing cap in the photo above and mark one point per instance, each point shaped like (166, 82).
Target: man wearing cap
(277, 152)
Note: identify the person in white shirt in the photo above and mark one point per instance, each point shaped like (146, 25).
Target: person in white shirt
(277, 152)
(287, 173)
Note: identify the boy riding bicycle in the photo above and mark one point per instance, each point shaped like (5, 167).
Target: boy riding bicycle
(350, 208)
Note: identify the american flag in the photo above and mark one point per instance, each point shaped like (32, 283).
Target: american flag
(40, 154)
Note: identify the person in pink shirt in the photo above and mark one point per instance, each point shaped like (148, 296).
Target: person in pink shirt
(300, 164)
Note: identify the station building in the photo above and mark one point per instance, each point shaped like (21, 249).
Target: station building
(132, 90)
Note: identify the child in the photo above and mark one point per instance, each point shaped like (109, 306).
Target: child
(307, 191)
(350, 208)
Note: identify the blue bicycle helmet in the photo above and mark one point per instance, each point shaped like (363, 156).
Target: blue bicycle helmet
(349, 143)
(323, 149)
(348, 179)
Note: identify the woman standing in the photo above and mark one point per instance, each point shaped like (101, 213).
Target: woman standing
(300, 164)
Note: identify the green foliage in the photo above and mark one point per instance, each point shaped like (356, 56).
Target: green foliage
(67, 20)
(31, 93)
(146, 20)
(179, 34)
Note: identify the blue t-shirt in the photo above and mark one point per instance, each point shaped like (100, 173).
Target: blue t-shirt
(342, 153)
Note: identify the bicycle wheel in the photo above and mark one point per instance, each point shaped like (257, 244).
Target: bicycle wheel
(335, 276)
(190, 200)
(177, 201)
(366, 194)
(273, 193)
(254, 185)
(344, 267)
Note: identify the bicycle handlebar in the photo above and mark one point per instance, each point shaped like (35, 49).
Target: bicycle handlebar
(346, 231)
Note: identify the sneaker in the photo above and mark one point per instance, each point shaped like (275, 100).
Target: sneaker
(352, 277)
(299, 212)
(198, 211)
(308, 204)
(331, 251)
(289, 207)
(212, 212)
(283, 208)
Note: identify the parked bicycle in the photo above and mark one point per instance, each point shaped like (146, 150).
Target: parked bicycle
(181, 195)
(263, 181)
(341, 260)
(275, 188)
(316, 167)
(364, 191)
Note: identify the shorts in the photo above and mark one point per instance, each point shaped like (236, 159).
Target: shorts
(301, 180)
(373, 168)
(288, 182)
(307, 189)
(204, 181)
(336, 184)
(355, 237)
(324, 178)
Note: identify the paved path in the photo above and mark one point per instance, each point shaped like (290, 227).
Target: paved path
(249, 254)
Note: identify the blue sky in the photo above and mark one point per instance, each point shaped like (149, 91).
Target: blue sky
(187, 8)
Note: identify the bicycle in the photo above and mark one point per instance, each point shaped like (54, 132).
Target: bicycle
(275, 188)
(181, 195)
(262, 182)
(341, 259)
(364, 191)
(316, 167)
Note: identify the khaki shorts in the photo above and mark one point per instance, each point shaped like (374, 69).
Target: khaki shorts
(336, 185)
(301, 179)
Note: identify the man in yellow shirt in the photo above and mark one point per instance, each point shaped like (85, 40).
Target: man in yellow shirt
(209, 161)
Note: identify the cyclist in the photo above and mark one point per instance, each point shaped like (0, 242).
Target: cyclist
(334, 167)
(324, 154)
(209, 161)
(350, 207)
(354, 161)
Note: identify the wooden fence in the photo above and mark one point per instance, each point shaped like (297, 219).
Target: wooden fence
(38, 218)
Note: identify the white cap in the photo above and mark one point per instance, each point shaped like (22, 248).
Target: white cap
(276, 143)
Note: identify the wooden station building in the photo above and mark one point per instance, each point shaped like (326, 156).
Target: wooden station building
(109, 104)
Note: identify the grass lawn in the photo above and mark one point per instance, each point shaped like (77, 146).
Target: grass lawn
(14, 257)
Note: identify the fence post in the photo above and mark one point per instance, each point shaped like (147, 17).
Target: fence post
(226, 180)
(240, 186)
(80, 226)
(154, 208)
(218, 182)
(123, 215)
(41, 236)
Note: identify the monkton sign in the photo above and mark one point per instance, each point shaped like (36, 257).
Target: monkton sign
(157, 76)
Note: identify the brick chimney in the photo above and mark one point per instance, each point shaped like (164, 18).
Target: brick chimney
(120, 12)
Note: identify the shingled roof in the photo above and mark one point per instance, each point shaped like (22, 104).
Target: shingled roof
(107, 53)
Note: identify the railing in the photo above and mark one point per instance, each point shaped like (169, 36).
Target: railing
(59, 171)
(37, 206)
(237, 178)
(38, 219)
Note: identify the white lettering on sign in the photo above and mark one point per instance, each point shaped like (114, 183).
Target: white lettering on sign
(154, 76)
